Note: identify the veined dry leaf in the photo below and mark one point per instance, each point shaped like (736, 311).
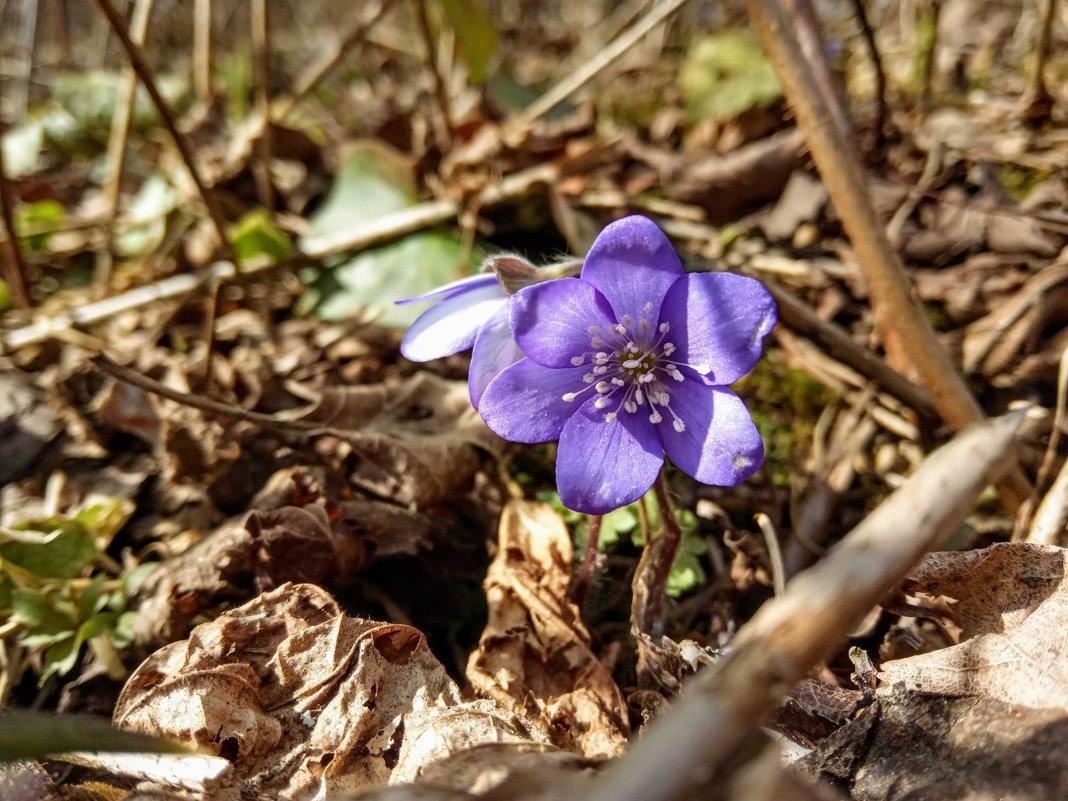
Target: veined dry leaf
(534, 656)
(306, 701)
(1007, 599)
(418, 442)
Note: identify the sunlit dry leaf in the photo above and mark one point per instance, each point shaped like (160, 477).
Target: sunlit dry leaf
(418, 442)
(534, 656)
(1007, 599)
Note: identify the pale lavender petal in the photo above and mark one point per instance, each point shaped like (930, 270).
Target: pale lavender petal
(720, 444)
(451, 325)
(525, 402)
(632, 263)
(494, 350)
(718, 322)
(551, 320)
(447, 291)
(601, 466)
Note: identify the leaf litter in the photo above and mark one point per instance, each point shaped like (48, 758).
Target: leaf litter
(353, 596)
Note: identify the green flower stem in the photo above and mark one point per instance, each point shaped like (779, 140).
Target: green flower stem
(582, 582)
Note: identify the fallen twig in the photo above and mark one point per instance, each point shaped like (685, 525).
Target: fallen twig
(261, 56)
(905, 329)
(14, 269)
(722, 706)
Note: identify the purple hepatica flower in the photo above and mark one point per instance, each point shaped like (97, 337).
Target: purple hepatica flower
(630, 361)
(471, 312)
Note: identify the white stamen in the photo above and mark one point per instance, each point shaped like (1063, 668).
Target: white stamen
(631, 364)
(596, 342)
(593, 330)
(655, 417)
(627, 320)
(676, 373)
(578, 360)
(678, 425)
(646, 378)
(601, 370)
(638, 395)
(664, 328)
(620, 329)
(669, 348)
(648, 307)
(568, 397)
(644, 326)
(600, 403)
(610, 417)
(603, 387)
(600, 357)
(589, 378)
(619, 382)
(630, 406)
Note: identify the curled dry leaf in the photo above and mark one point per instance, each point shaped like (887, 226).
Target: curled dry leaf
(534, 656)
(305, 701)
(1006, 599)
(418, 442)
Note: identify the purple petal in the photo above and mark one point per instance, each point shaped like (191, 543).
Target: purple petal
(718, 321)
(494, 350)
(551, 320)
(451, 325)
(601, 466)
(525, 402)
(721, 444)
(447, 291)
(632, 262)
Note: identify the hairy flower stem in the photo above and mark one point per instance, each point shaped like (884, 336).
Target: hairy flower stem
(582, 581)
(655, 566)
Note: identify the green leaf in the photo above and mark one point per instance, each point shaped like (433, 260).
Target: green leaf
(41, 216)
(476, 35)
(133, 579)
(5, 295)
(122, 634)
(31, 735)
(147, 216)
(104, 519)
(64, 555)
(726, 74)
(255, 234)
(38, 614)
(375, 180)
(92, 599)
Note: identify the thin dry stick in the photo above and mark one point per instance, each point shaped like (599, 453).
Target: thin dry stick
(441, 84)
(881, 112)
(24, 71)
(588, 71)
(582, 581)
(905, 330)
(13, 264)
(810, 38)
(1038, 96)
(116, 158)
(721, 707)
(202, 50)
(144, 73)
(771, 539)
(310, 81)
(261, 55)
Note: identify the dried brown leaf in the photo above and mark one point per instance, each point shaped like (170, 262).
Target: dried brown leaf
(1007, 600)
(534, 656)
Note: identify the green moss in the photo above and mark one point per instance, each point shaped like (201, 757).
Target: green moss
(785, 403)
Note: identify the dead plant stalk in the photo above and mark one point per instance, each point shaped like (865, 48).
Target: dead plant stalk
(720, 708)
(905, 330)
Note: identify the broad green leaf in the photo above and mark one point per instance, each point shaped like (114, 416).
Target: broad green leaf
(133, 579)
(90, 98)
(726, 74)
(22, 148)
(36, 612)
(105, 518)
(31, 735)
(64, 555)
(255, 235)
(375, 180)
(146, 216)
(40, 217)
(476, 35)
(123, 632)
(92, 599)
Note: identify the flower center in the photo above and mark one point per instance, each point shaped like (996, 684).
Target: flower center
(630, 369)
